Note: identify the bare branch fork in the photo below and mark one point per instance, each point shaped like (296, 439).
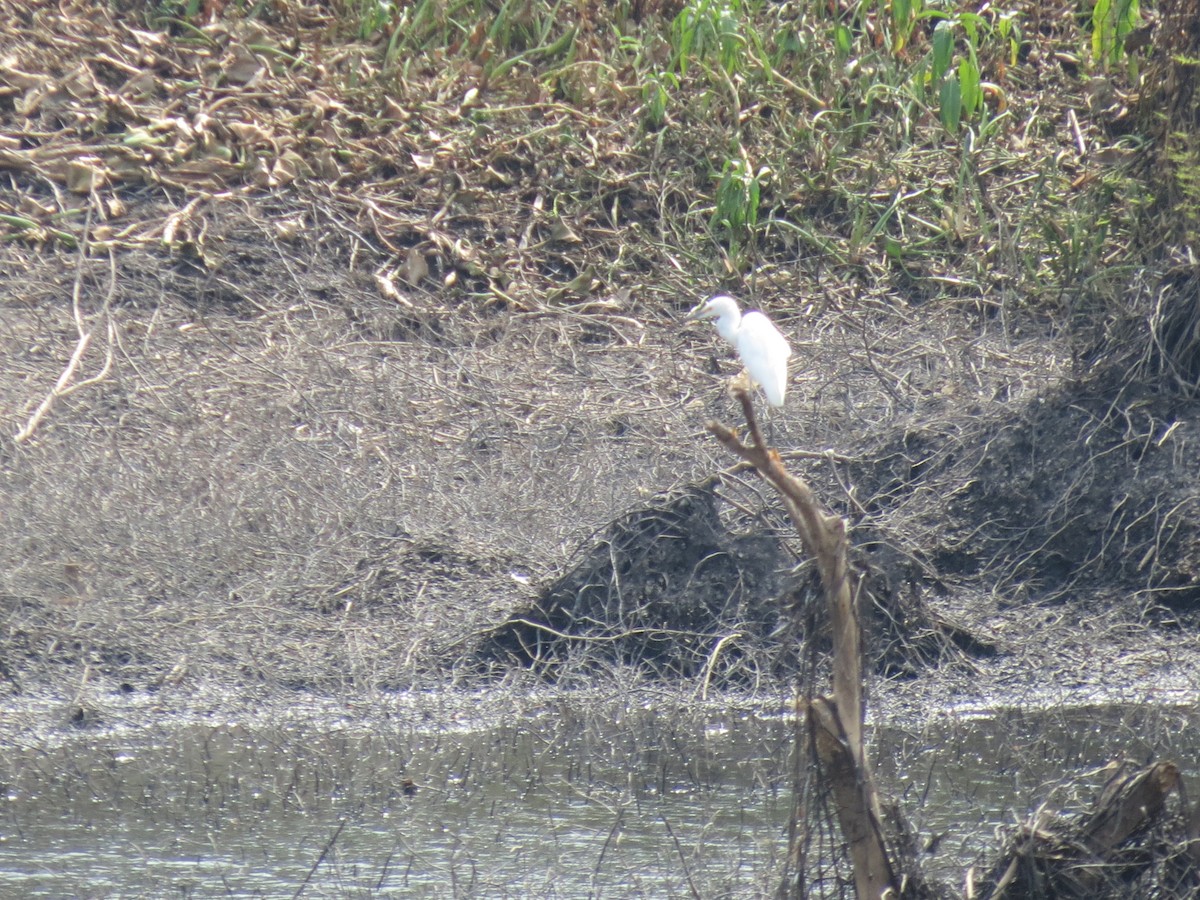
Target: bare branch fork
(64, 386)
(836, 722)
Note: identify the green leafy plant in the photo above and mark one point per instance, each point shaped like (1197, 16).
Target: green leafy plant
(656, 96)
(1008, 30)
(843, 39)
(704, 28)
(954, 67)
(373, 16)
(950, 103)
(1112, 21)
(1184, 156)
(905, 16)
(738, 195)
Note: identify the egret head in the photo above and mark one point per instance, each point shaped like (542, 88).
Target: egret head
(714, 307)
(725, 310)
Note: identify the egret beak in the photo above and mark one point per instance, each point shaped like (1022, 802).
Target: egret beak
(699, 312)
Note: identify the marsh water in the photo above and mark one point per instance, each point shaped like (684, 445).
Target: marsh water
(557, 799)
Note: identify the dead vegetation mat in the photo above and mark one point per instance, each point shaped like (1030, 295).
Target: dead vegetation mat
(323, 374)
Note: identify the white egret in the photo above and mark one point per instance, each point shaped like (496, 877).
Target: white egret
(764, 351)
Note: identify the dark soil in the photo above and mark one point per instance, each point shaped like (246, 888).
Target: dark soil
(378, 407)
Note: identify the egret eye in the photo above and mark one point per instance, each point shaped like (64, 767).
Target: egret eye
(762, 348)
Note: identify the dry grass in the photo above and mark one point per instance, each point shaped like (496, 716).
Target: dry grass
(315, 499)
(380, 336)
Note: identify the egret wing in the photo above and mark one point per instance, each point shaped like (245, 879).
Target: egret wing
(764, 352)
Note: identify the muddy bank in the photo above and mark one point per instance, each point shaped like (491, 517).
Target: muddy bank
(276, 497)
(350, 382)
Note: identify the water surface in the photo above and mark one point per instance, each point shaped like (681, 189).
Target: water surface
(549, 800)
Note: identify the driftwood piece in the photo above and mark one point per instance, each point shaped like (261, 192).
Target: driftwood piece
(1129, 801)
(1096, 857)
(836, 724)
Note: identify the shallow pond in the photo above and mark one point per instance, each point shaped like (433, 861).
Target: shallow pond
(560, 799)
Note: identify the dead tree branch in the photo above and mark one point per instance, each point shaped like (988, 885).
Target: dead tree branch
(836, 722)
(63, 387)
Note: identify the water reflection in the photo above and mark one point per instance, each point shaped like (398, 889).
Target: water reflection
(554, 803)
(564, 800)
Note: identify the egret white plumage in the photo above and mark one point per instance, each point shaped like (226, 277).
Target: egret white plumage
(763, 350)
